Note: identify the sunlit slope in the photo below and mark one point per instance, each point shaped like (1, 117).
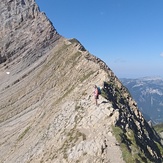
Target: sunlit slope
(48, 113)
(38, 104)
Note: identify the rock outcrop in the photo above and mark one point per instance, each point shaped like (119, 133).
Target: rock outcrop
(25, 32)
(47, 108)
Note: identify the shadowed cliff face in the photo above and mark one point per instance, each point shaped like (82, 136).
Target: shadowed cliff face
(47, 108)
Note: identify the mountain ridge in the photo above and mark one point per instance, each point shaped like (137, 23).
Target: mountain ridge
(47, 108)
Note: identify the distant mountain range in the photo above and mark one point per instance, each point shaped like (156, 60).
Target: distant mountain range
(148, 93)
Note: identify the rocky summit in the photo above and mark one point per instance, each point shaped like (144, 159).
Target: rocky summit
(47, 108)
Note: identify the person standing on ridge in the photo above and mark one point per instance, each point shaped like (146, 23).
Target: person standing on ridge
(96, 95)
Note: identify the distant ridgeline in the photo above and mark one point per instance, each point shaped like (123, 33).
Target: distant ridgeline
(148, 93)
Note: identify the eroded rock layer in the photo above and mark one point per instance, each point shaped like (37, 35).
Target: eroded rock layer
(25, 32)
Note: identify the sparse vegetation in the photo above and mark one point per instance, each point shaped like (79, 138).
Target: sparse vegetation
(86, 76)
(160, 148)
(72, 137)
(74, 134)
(130, 151)
(77, 108)
(58, 57)
(73, 40)
(23, 133)
(159, 128)
(73, 58)
(84, 93)
(65, 94)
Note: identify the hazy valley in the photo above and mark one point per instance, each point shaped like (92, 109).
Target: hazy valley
(148, 93)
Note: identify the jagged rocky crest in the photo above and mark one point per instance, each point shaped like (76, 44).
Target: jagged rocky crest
(47, 110)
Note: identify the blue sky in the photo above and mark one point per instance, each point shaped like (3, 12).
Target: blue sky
(126, 34)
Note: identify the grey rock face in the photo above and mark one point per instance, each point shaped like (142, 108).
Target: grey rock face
(25, 32)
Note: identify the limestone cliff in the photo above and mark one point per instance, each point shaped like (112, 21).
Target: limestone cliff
(47, 109)
(25, 32)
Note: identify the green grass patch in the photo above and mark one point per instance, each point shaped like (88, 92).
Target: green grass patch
(23, 133)
(160, 148)
(130, 151)
(159, 128)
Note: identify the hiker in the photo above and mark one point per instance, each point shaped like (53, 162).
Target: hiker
(96, 94)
